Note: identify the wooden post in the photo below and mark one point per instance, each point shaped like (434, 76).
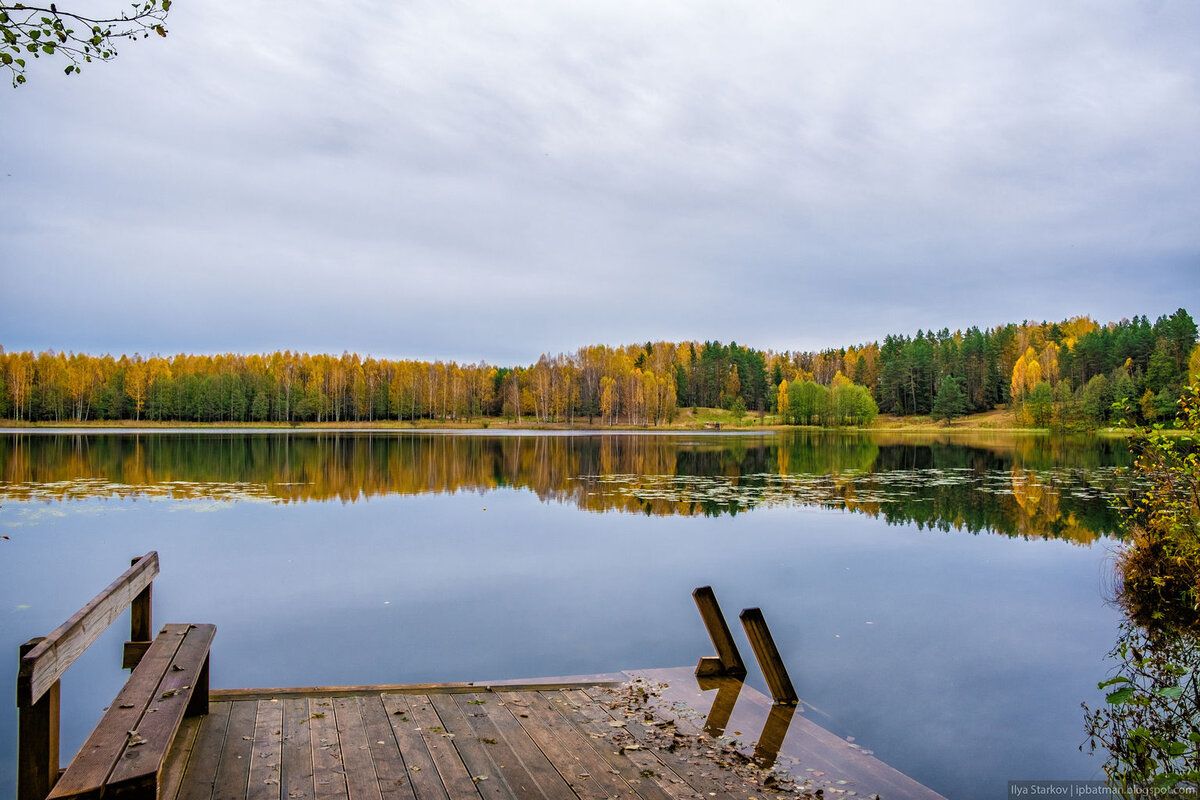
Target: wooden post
(198, 704)
(768, 657)
(141, 626)
(37, 740)
(728, 661)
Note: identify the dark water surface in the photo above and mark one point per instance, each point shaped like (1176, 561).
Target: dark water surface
(942, 601)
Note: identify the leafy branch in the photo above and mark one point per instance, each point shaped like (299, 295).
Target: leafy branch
(35, 31)
(1150, 721)
(1160, 573)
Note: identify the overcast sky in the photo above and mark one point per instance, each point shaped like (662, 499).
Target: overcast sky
(464, 180)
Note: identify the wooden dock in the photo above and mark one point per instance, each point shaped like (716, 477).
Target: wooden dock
(628, 735)
(661, 734)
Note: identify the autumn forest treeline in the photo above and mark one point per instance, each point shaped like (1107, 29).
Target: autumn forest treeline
(1068, 373)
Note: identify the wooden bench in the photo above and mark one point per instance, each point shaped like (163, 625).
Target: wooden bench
(124, 755)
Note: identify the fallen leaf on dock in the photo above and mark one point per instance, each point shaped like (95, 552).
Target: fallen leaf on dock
(135, 739)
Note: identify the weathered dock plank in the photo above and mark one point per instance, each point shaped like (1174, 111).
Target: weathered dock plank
(394, 783)
(329, 773)
(488, 780)
(508, 766)
(203, 758)
(658, 781)
(542, 774)
(234, 769)
(421, 770)
(266, 757)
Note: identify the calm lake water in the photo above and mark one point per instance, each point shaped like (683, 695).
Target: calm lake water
(943, 601)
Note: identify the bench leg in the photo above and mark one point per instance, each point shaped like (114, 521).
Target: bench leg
(198, 703)
(37, 742)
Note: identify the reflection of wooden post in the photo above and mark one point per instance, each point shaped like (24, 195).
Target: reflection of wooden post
(728, 661)
(768, 658)
(37, 740)
(728, 690)
(771, 739)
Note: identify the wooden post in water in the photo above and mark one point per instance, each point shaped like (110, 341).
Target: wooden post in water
(728, 661)
(768, 657)
(37, 740)
(141, 625)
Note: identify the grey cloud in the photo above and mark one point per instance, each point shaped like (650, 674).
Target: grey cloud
(468, 181)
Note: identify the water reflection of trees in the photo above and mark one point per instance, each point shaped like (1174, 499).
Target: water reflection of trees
(1149, 724)
(1019, 487)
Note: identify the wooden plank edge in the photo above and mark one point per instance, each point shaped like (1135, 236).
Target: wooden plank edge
(402, 688)
(458, 687)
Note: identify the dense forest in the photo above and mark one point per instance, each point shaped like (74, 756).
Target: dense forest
(1067, 374)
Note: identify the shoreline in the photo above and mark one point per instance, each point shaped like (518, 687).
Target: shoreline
(890, 426)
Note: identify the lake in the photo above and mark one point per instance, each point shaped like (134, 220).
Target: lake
(943, 600)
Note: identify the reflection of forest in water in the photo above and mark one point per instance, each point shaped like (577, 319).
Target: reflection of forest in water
(1016, 485)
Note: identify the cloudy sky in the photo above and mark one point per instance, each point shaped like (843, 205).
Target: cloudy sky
(462, 180)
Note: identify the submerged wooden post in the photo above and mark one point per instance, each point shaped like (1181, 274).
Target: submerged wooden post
(768, 657)
(37, 739)
(728, 661)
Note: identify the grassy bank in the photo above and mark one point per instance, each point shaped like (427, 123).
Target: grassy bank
(688, 419)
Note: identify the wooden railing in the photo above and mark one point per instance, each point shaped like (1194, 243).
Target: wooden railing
(44, 659)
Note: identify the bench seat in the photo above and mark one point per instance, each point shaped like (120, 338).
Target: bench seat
(124, 755)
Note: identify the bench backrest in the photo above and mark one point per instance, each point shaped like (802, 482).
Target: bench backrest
(45, 659)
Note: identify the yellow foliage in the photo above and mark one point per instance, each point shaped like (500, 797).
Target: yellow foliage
(1075, 328)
